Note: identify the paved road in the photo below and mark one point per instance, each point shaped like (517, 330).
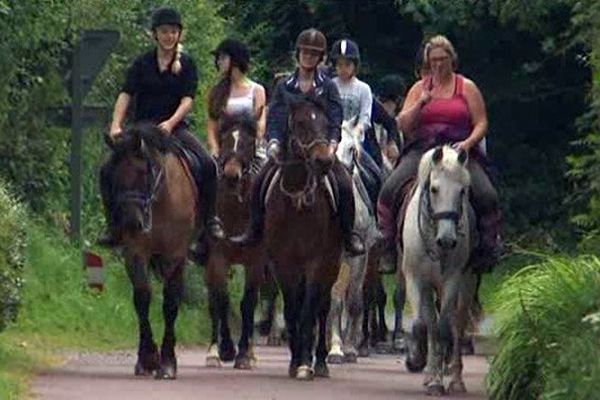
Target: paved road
(110, 376)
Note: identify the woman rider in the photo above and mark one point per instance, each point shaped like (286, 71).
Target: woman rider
(235, 94)
(311, 46)
(163, 83)
(445, 107)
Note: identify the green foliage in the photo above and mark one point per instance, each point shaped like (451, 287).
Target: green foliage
(548, 323)
(12, 255)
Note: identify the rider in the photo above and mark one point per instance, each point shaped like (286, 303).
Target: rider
(235, 93)
(163, 83)
(311, 46)
(445, 107)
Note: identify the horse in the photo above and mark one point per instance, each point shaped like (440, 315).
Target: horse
(438, 236)
(303, 238)
(237, 143)
(349, 286)
(155, 201)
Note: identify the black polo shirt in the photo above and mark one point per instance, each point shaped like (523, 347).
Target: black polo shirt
(158, 94)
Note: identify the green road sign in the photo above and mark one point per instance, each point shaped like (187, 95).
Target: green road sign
(91, 51)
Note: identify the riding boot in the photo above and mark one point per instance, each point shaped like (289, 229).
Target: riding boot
(489, 250)
(110, 237)
(353, 243)
(253, 233)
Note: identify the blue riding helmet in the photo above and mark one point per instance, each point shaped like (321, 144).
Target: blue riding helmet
(345, 48)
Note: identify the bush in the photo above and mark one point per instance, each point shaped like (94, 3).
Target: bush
(12, 255)
(548, 321)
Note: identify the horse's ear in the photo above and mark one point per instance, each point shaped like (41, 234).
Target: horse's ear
(463, 156)
(438, 154)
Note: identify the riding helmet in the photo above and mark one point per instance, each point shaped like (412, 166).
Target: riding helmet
(345, 48)
(166, 15)
(237, 51)
(311, 39)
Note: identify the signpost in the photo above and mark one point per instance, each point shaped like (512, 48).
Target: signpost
(91, 51)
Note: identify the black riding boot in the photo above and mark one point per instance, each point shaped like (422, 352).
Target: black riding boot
(110, 238)
(254, 231)
(353, 243)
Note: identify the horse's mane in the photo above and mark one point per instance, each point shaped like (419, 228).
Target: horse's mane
(150, 134)
(449, 161)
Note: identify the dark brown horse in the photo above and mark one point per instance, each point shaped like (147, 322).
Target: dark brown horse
(236, 137)
(303, 237)
(155, 205)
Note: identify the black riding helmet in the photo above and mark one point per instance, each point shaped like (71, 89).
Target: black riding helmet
(237, 51)
(166, 16)
(390, 87)
(345, 48)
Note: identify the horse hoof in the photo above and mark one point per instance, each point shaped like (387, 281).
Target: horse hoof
(399, 347)
(435, 389)
(305, 373)
(335, 359)
(350, 358)
(383, 348)
(363, 351)
(293, 371)
(168, 372)
(139, 370)
(414, 367)
(227, 353)
(457, 387)
(243, 363)
(321, 370)
(213, 362)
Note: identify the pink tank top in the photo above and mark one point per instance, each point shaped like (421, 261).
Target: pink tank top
(446, 119)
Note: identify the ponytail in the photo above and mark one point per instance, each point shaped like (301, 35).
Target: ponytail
(218, 96)
(176, 64)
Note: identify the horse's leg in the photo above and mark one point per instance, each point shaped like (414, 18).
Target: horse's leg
(215, 276)
(148, 357)
(338, 292)
(291, 311)
(460, 315)
(243, 359)
(382, 329)
(268, 295)
(354, 306)
(363, 348)
(308, 316)
(172, 292)
(434, 370)
(398, 335)
(416, 357)
(321, 369)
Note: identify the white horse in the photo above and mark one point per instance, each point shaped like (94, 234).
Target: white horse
(438, 236)
(348, 289)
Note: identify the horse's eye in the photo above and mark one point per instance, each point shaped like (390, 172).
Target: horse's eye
(434, 189)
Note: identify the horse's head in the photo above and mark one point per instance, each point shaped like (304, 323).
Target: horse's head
(308, 134)
(237, 144)
(444, 181)
(350, 142)
(136, 166)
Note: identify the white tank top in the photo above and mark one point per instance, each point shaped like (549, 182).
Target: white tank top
(242, 104)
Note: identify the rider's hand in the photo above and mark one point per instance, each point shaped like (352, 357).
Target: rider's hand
(464, 145)
(166, 126)
(332, 148)
(425, 96)
(273, 149)
(115, 131)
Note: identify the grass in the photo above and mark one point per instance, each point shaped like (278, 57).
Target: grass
(60, 313)
(548, 324)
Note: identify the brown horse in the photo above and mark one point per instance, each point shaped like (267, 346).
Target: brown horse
(303, 238)
(155, 205)
(236, 137)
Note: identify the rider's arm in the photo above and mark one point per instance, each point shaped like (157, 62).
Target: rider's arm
(381, 116)
(259, 111)
(478, 113)
(190, 79)
(366, 106)
(184, 108)
(119, 113)
(277, 116)
(335, 112)
(409, 116)
(211, 136)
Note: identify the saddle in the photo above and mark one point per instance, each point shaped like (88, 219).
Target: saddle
(190, 163)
